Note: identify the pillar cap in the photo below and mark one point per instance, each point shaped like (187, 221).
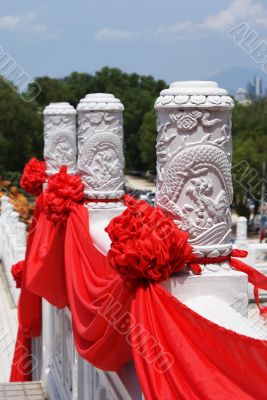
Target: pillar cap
(194, 94)
(100, 102)
(59, 108)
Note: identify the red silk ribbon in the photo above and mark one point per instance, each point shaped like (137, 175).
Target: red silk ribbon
(256, 278)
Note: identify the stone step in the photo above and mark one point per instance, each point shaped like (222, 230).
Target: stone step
(22, 391)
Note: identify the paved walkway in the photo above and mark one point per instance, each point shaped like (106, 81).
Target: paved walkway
(22, 391)
(8, 329)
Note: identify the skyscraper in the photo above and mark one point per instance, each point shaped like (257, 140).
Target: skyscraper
(255, 88)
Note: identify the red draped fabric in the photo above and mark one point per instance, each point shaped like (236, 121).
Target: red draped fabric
(92, 287)
(29, 312)
(200, 359)
(45, 262)
(177, 353)
(21, 370)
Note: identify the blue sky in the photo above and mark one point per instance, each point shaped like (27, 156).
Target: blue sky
(172, 40)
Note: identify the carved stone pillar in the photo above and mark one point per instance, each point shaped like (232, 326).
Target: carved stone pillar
(100, 146)
(194, 182)
(101, 161)
(21, 234)
(242, 229)
(60, 144)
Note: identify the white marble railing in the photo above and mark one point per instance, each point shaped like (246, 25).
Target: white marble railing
(12, 242)
(194, 123)
(257, 253)
(67, 376)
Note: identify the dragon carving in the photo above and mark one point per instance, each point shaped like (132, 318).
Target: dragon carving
(101, 162)
(189, 167)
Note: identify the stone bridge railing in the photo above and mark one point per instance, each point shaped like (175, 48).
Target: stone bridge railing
(12, 242)
(66, 376)
(194, 125)
(257, 253)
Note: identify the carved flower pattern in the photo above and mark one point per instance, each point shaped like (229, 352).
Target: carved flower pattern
(187, 121)
(95, 117)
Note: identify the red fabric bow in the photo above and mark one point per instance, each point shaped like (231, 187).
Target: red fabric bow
(16, 271)
(62, 192)
(146, 244)
(33, 177)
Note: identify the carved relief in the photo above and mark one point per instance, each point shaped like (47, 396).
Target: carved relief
(60, 138)
(100, 146)
(188, 121)
(172, 101)
(194, 182)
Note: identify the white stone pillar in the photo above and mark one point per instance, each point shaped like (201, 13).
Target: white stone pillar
(242, 230)
(60, 144)
(100, 146)
(194, 152)
(194, 186)
(4, 201)
(21, 234)
(101, 161)
(60, 148)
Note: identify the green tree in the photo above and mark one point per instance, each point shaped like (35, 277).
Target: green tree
(20, 129)
(249, 150)
(147, 142)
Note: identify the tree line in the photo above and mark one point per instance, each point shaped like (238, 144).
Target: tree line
(21, 127)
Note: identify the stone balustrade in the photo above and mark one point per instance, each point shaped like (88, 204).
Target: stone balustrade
(194, 186)
(67, 376)
(12, 242)
(257, 253)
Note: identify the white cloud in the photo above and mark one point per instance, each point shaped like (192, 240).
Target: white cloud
(180, 27)
(115, 34)
(25, 23)
(107, 34)
(239, 10)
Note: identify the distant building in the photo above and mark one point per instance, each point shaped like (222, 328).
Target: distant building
(242, 96)
(255, 88)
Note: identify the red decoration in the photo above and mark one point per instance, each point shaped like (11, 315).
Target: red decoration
(29, 313)
(146, 244)
(189, 357)
(62, 192)
(178, 354)
(33, 177)
(16, 271)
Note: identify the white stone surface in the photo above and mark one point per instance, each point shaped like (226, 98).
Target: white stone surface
(192, 94)
(12, 242)
(98, 221)
(60, 142)
(219, 311)
(232, 288)
(194, 182)
(257, 258)
(241, 230)
(8, 328)
(100, 144)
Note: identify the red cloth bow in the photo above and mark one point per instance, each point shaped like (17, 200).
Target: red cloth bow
(146, 244)
(62, 192)
(33, 177)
